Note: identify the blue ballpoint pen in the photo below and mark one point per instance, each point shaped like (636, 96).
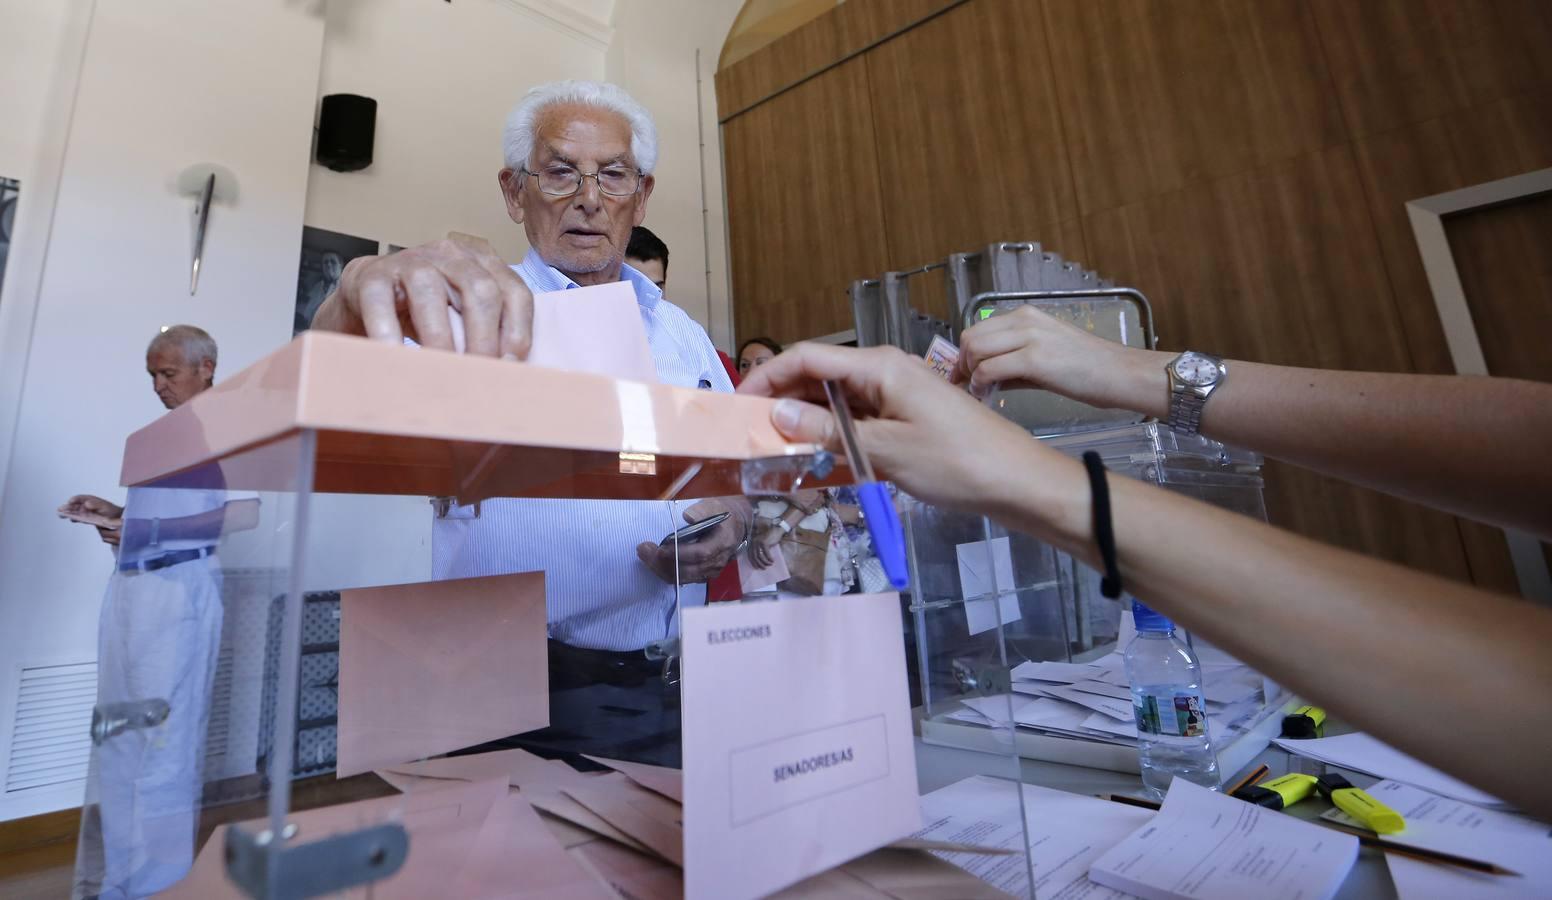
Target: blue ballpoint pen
(878, 510)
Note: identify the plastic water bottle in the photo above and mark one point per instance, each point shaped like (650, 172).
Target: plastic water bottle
(1166, 679)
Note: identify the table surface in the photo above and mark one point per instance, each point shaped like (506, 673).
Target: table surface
(937, 766)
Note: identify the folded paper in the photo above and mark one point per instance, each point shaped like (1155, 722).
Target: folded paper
(594, 329)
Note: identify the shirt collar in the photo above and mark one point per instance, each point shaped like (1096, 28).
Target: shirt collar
(549, 278)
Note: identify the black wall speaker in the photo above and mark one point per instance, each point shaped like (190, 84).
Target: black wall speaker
(346, 124)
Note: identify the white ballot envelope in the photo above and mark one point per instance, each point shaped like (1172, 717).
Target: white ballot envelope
(797, 740)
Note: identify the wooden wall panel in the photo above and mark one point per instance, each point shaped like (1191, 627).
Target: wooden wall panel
(785, 61)
(1243, 162)
(1504, 257)
(850, 27)
(972, 153)
(1275, 265)
(804, 214)
(1156, 96)
(1467, 147)
(1398, 62)
(1278, 266)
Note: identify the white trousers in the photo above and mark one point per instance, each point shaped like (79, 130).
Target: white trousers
(159, 636)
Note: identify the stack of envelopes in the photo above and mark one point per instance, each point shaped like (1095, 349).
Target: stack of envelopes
(625, 827)
(511, 824)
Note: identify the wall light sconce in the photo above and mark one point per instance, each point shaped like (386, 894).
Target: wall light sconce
(206, 184)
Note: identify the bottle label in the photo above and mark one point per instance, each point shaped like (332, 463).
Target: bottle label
(1178, 713)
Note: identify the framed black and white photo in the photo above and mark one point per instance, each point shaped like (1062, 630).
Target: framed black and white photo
(324, 255)
(10, 189)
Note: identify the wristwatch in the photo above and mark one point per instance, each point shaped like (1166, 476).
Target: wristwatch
(1192, 379)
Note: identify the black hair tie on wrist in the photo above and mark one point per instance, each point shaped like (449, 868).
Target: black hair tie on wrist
(1104, 531)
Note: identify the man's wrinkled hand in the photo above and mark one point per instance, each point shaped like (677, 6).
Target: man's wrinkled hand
(430, 293)
(702, 560)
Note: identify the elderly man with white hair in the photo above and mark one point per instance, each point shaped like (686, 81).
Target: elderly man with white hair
(579, 158)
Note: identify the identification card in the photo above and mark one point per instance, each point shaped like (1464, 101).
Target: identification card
(942, 355)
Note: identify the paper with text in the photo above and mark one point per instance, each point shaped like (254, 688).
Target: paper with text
(797, 740)
(1207, 846)
(1066, 833)
(1363, 753)
(1438, 823)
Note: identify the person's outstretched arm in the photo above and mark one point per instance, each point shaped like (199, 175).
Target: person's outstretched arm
(1453, 675)
(1470, 445)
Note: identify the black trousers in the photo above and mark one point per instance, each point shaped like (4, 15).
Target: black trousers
(613, 704)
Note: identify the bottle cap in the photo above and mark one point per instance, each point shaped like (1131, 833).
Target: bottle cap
(1148, 620)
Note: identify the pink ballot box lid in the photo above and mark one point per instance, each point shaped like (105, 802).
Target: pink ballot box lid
(400, 420)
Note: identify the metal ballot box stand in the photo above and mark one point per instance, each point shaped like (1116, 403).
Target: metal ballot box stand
(989, 606)
(273, 623)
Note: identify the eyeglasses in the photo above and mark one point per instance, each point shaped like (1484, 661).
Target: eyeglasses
(563, 181)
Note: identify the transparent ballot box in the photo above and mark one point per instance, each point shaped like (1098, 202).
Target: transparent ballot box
(1004, 620)
(392, 622)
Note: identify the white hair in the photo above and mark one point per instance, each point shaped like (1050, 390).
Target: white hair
(195, 343)
(517, 140)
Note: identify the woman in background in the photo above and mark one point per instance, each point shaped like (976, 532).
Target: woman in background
(756, 351)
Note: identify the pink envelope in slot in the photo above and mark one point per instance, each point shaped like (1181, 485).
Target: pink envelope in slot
(594, 329)
(661, 779)
(440, 665)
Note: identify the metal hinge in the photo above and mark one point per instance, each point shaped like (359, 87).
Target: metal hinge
(111, 719)
(267, 869)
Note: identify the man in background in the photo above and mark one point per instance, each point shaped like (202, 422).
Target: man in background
(157, 643)
(181, 361)
(647, 254)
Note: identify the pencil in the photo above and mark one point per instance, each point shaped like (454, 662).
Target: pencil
(1438, 856)
(1132, 801)
(1253, 778)
(1367, 839)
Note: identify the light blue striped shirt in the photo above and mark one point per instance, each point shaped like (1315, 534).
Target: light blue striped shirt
(600, 595)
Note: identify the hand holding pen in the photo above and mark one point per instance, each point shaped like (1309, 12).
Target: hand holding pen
(931, 439)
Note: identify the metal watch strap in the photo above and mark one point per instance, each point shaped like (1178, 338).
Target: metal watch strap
(1185, 411)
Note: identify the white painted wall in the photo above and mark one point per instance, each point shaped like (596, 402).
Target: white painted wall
(156, 93)
(444, 75)
(653, 55)
(29, 42)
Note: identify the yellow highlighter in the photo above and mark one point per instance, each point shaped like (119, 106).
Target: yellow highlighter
(1375, 816)
(1279, 793)
(1305, 722)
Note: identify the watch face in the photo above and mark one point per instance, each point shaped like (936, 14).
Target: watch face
(1196, 369)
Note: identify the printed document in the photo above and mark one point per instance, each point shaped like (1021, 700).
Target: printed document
(1365, 754)
(1208, 846)
(1438, 823)
(1067, 832)
(797, 740)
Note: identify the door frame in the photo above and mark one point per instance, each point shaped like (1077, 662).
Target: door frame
(1427, 215)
